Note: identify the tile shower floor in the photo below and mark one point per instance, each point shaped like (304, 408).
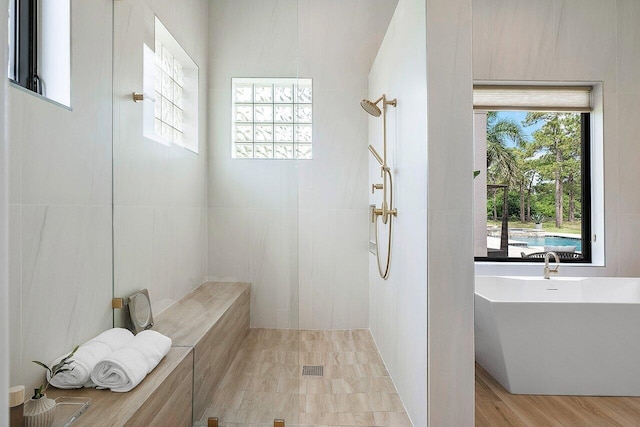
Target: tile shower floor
(265, 382)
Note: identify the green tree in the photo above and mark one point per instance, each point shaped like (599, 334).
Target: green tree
(502, 162)
(557, 143)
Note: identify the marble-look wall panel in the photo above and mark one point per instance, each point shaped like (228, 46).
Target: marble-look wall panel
(628, 38)
(13, 130)
(498, 56)
(60, 218)
(332, 42)
(585, 27)
(628, 231)
(5, 334)
(230, 244)
(160, 249)
(596, 41)
(332, 250)
(66, 155)
(15, 290)
(160, 222)
(336, 178)
(450, 213)
(627, 160)
(66, 280)
(273, 262)
(398, 305)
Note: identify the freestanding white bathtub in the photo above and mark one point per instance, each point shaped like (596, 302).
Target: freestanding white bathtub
(568, 336)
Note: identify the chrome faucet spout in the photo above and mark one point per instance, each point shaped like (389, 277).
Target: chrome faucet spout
(547, 270)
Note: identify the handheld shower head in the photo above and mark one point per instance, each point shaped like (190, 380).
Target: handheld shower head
(371, 107)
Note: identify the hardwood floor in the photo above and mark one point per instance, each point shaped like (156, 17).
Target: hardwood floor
(496, 407)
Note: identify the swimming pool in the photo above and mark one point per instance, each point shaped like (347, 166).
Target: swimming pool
(551, 241)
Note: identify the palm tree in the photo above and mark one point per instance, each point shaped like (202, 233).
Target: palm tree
(502, 162)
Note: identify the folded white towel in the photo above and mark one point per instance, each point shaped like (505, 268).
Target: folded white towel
(125, 368)
(86, 357)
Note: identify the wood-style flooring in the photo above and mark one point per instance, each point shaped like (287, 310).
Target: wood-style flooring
(264, 382)
(496, 407)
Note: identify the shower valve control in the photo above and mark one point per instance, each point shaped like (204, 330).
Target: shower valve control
(375, 187)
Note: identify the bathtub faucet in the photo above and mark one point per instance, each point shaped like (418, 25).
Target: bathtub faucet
(547, 270)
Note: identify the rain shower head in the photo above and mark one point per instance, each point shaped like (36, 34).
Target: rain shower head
(371, 107)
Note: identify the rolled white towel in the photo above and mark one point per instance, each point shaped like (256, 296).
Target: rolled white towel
(125, 368)
(86, 357)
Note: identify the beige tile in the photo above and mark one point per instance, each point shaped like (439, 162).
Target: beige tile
(257, 401)
(372, 357)
(382, 402)
(263, 384)
(220, 413)
(302, 403)
(320, 418)
(318, 385)
(292, 385)
(392, 419)
(232, 383)
(227, 400)
(361, 335)
(267, 382)
(354, 402)
(249, 416)
(374, 370)
(342, 386)
(321, 403)
(312, 358)
(285, 402)
(290, 371)
(356, 418)
(381, 384)
(268, 370)
(341, 335)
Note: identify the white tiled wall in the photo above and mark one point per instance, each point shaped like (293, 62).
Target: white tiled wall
(398, 305)
(4, 231)
(296, 230)
(422, 316)
(593, 40)
(160, 215)
(60, 205)
(450, 232)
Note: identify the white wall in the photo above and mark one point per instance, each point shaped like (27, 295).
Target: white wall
(422, 316)
(450, 204)
(296, 229)
(4, 230)
(60, 269)
(160, 221)
(398, 306)
(585, 40)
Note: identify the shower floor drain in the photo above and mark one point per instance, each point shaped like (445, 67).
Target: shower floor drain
(312, 371)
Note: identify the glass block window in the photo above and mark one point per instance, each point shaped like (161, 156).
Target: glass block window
(169, 81)
(171, 84)
(272, 118)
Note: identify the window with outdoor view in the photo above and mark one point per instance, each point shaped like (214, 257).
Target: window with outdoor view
(532, 184)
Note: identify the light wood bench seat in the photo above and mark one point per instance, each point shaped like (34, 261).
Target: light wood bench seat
(206, 328)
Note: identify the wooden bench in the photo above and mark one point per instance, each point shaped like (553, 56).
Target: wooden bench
(212, 319)
(206, 328)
